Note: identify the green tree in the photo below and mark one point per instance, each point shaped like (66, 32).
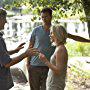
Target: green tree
(62, 8)
(86, 5)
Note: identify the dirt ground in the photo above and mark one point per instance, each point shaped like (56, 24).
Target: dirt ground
(73, 83)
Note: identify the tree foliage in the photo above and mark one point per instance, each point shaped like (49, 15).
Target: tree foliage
(61, 8)
(74, 9)
(86, 5)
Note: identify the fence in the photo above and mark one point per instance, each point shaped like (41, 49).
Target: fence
(17, 26)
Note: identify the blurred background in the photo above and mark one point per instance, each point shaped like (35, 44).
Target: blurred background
(74, 15)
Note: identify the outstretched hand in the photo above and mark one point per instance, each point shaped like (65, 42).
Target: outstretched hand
(31, 52)
(19, 47)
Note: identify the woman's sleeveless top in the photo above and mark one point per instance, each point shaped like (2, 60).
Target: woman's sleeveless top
(56, 80)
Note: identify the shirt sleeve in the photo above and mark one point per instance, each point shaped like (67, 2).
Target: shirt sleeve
(32, 38)
(4, 56)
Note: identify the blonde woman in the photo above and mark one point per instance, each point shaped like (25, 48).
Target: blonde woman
(58, 62)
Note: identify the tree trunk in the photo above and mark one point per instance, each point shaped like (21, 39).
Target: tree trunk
(86, 5)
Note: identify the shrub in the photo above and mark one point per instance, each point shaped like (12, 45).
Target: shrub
(78, 49)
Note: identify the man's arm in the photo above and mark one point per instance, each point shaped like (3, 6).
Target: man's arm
(17, 59)
(17, 49)
(78, 38)
(31, 44)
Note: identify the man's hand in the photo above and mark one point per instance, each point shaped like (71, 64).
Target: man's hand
(19, 47)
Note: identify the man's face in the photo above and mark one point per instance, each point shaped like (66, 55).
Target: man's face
(2, 22)
(46, 18)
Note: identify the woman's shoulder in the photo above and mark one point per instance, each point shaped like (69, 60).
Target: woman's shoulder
(61, 48)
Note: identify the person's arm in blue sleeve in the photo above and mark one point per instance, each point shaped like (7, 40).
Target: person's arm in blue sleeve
(31, 45)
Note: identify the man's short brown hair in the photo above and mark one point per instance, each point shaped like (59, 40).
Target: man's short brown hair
(47, 9)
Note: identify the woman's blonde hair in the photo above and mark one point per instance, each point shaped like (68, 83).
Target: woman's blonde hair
(60, 33)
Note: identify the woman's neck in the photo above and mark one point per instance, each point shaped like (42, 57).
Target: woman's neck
(59, 44)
